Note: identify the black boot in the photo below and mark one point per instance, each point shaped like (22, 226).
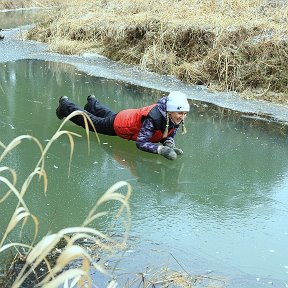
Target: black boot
(89, 105)
(58, 110)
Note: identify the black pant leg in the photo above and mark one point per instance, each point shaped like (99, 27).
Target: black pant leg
(98, 109)
(102, 125)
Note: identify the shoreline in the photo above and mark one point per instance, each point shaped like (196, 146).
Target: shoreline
(226, 46)
(13, 48)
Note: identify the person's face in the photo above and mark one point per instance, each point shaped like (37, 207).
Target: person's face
(177, 117)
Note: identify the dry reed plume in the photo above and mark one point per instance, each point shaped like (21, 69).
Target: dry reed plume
(226, 45)
(57, 271)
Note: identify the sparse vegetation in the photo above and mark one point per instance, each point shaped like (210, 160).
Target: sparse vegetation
(231, 45)
(34, 263)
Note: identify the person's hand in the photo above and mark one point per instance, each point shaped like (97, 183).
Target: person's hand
(172, 146)
(178, 151)
(167, 152)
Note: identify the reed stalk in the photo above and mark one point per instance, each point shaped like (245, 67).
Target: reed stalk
(58, 272)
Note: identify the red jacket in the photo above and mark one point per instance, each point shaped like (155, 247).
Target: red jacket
(128, 123)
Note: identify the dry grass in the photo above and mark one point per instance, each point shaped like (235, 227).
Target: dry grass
(56, 272)
(167, 278)
(226, 45)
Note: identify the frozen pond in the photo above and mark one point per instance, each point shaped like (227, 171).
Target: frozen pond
(221, 208)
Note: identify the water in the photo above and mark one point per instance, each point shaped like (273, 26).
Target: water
(222, 206)
(220, 209)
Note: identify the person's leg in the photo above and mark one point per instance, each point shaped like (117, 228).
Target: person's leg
(96, 108)
(102, 125)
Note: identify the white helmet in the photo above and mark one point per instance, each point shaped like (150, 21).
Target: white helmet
(177, 102)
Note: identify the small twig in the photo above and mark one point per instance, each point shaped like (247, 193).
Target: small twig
(180, 265)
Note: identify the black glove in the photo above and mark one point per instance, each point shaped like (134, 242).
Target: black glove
(172, 146)
(167, 152)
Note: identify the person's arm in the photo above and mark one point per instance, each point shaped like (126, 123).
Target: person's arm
(143, 141)
(145, 134)
(169, 142)
(170, 138)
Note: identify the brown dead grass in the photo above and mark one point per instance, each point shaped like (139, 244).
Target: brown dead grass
(226, 45)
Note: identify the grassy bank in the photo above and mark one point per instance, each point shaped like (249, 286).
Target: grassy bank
(226, 45)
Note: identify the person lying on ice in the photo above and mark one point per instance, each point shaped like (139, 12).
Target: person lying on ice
(153, 127)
